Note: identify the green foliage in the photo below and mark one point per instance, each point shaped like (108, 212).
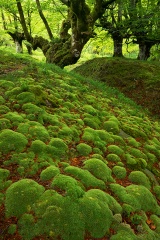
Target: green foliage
(20, 196)
(12, 141)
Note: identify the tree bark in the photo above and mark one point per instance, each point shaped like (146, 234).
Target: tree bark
(17, 38)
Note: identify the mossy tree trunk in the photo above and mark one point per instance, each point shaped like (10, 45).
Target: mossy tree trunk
(80, 21)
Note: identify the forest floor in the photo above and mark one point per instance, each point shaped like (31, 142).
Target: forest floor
(78, 159)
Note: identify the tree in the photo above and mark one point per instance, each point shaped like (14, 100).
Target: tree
(144, 24)
(76, 30)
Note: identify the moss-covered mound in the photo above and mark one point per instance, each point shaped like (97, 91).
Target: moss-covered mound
(77, 162)
(138, 80)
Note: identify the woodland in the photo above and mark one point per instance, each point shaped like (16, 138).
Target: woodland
(80, 120)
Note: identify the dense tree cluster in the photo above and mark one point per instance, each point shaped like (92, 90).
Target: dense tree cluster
(70, 24)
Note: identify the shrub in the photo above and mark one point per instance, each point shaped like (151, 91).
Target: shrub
(84, 149)
(119, 172)
(20, 196)
(138, 177)
(99, 169)
(49, 173)
(12, 141)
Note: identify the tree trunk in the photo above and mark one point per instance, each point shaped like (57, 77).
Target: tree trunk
(118, 43)
(17, 38)
(80, 21)
(144, 50)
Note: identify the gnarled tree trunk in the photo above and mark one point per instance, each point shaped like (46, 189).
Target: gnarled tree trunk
(67, 49)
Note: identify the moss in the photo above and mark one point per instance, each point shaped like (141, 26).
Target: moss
(156, 190)
(65, 132)
(137, 153)
(12, 229)
(127, 210)
(90, 122)
(70, 185)
(49, 173)
(2, 100)
(25, 97)
(25, 224)
(89, 135)
(89, 109)
(131, 161)
(119, 172)
(10, 94)
(83, 149)
(129, 235)
(111, 126)
(86, 178)
(14, 117)
(57, 147)
(5, 123)
(133, 142)
(4, 174)
(98, 156)
(115, 150)
(39, 133)
(99, 169)
(38, 147)
(153, 149)
(20, 196)
(113, 157)
(138, 177)
(4, 109)
(97, 215)
(12, 141)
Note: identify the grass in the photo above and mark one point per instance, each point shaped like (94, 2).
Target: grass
(77, 157)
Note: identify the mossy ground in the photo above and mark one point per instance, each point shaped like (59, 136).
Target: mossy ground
(77, 161)
(138, 80)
